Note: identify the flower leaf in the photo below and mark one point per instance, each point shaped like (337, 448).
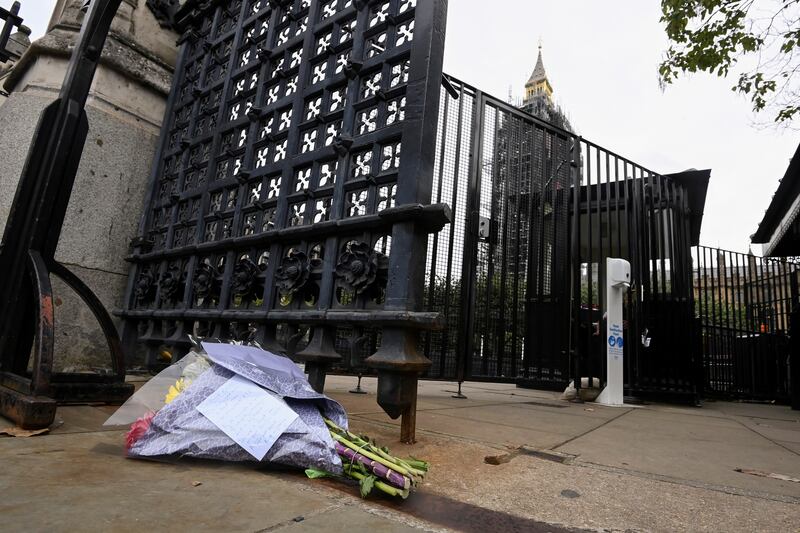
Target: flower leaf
(366, 485)
(317, 474)
(419, 464)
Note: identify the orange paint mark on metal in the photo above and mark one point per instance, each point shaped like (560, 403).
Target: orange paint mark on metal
(46, 307)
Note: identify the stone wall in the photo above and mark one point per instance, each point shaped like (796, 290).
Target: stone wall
(125, 111)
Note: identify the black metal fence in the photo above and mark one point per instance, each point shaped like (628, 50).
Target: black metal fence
(280, 172)
(744, 305)
(627, 211)
(519, 274)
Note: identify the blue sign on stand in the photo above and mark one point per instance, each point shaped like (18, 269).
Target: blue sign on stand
(616, 341)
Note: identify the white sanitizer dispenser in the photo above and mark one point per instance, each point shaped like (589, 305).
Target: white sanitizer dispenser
(618, 282)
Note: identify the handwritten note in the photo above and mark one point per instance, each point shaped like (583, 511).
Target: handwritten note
(248, 414)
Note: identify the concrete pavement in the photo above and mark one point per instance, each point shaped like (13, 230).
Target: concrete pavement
(651, 468)
(576, 466)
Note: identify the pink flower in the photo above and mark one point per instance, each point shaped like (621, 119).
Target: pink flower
(138, 429)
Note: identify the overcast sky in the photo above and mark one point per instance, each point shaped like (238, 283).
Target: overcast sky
(602, 59)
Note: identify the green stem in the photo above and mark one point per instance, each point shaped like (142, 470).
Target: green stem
(356, 443)
(402, 463)
(388, 489)
(388, 464)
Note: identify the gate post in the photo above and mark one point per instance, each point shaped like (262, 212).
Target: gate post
(794, 356)
(575, 262)
(466, 339)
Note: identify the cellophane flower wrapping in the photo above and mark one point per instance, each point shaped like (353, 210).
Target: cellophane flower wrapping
(179, 429)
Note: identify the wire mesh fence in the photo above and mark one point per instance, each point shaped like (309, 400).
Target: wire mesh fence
(520, 273)
(744, 305)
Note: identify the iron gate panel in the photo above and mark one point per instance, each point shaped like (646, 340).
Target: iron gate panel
(521, 286)
(447, 264)
(625, 210)
(291, 192)
(744, 305)
(534, 207)
(493, 165)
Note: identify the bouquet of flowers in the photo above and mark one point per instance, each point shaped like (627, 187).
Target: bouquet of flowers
(240, 403)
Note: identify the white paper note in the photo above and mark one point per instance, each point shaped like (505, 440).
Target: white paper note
(248, 414)
(222, 354)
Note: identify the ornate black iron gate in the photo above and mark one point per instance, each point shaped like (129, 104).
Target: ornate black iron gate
(291, 193)
(744, 304)
(519, 274)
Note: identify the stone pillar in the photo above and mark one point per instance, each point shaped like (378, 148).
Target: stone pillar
(125, 110)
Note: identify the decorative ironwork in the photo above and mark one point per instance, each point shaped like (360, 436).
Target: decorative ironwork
(293, 273)
(294, 128)
(203, 283)
(358, 266)
(145, 287)
(170, 284)
(164, 11)
(245, 277)
(27, 256)
(11, 20)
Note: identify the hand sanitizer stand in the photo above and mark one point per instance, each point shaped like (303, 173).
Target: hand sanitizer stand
(618, 281)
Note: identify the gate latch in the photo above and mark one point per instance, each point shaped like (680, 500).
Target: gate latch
(484, 227)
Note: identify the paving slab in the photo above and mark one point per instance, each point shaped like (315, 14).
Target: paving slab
(497, 414)
(583, 495)
(81, 419)
(702, 449)
(75, 482)
(783, 432)
(82, 482)
(346, 518)
(77, 419)
(754, 410)
(432, 395)
(498, 434)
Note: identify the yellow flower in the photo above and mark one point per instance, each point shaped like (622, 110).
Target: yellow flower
(175, 390)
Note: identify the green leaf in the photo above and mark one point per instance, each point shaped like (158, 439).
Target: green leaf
(317, 474)
(714, 35)
(417, 464)
(366, 485)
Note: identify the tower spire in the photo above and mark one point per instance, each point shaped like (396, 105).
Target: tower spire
(538, 99)
(538, 84)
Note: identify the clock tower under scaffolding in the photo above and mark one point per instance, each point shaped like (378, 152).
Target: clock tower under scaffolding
(539, 97)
